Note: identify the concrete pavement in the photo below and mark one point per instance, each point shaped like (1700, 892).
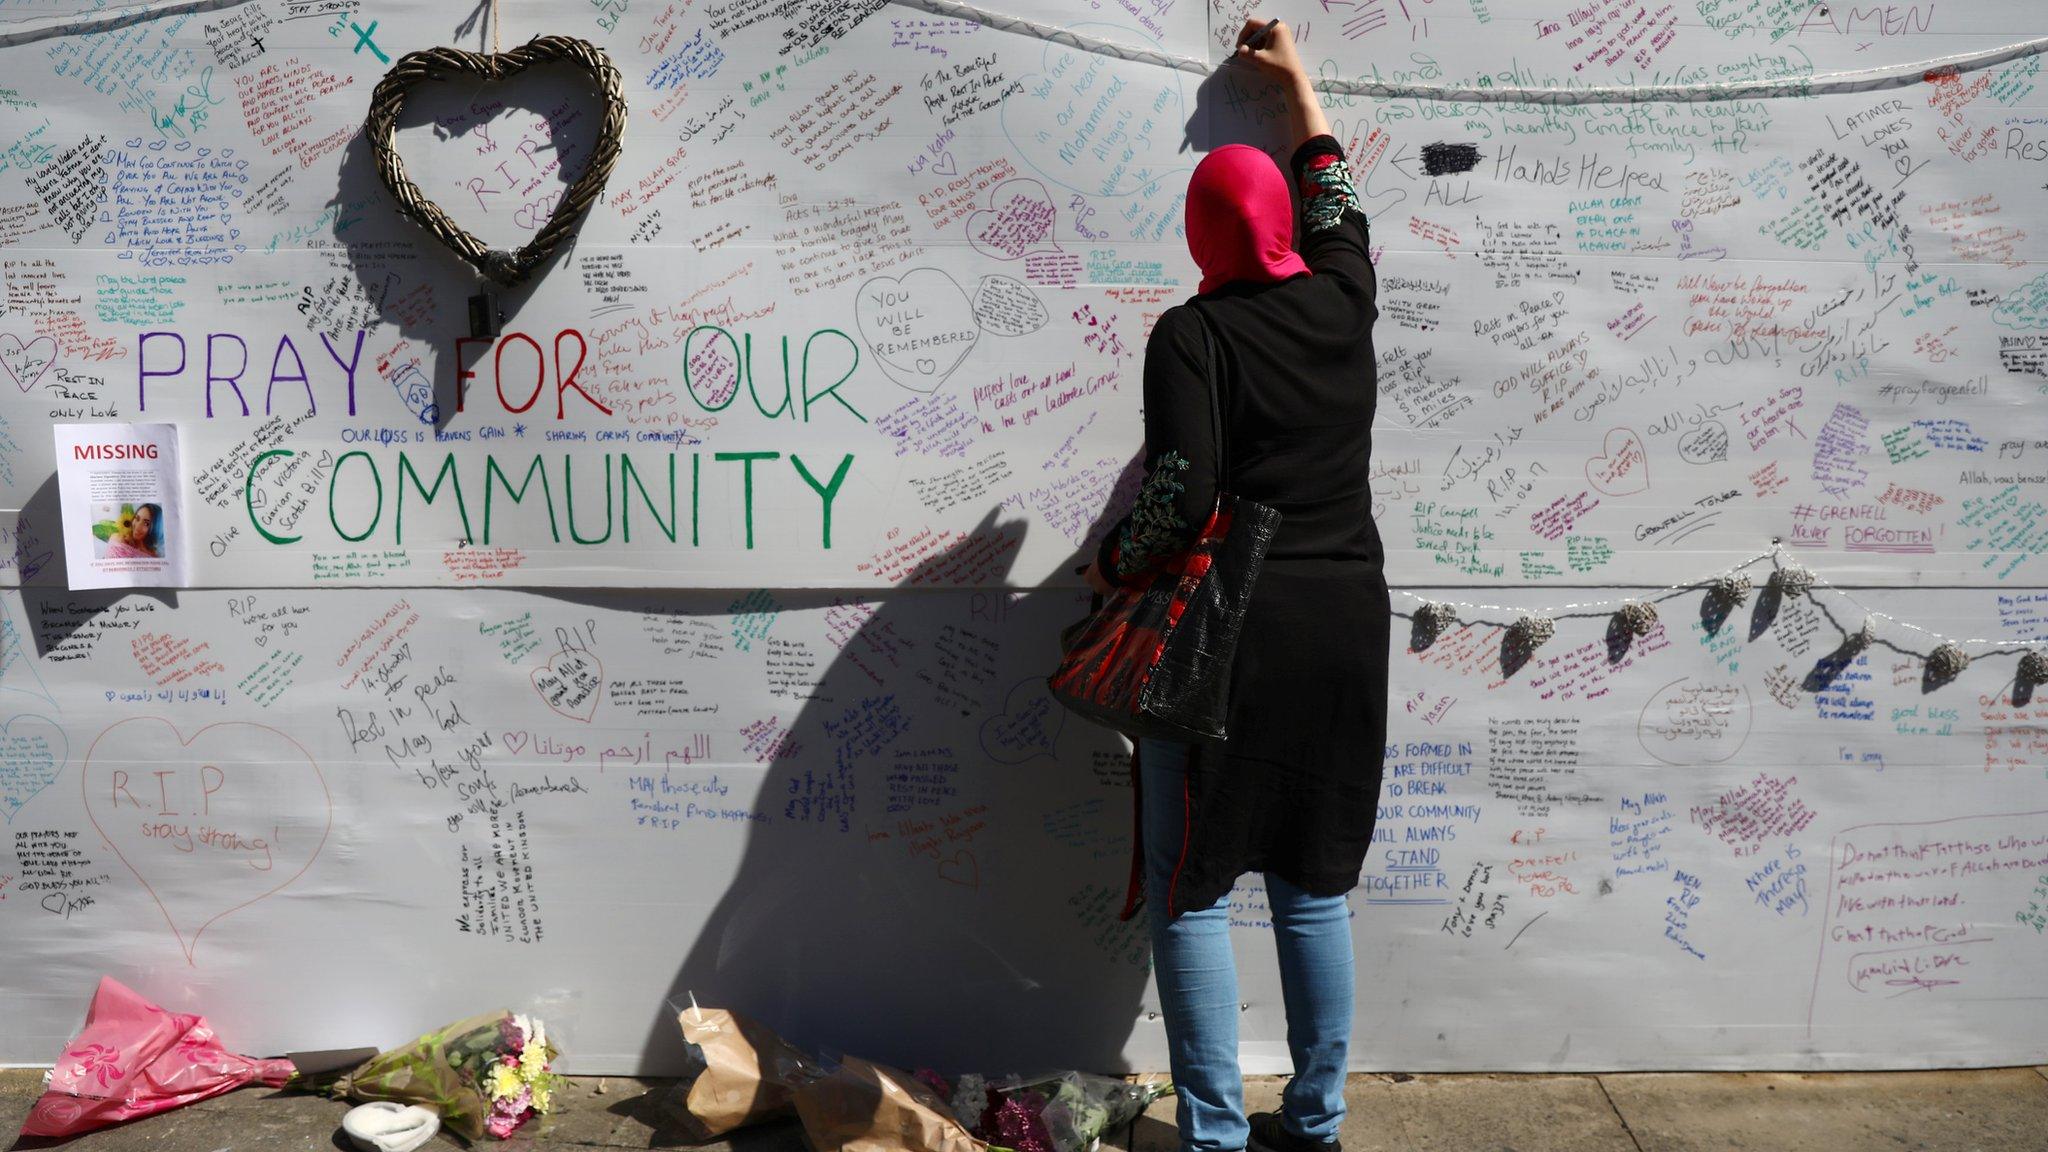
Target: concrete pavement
(1984, 1110)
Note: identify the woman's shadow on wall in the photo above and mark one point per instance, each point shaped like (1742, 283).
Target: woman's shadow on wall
(879, 931)
(937, 880)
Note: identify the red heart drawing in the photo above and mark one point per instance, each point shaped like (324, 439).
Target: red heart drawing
(1623, 468)
(962, 869)
(570, 683)
(210, 823)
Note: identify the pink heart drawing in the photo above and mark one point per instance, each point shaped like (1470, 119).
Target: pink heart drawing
(514, 741)
(570, 683)
(1623, 468)
(26, 363)
(210, 823)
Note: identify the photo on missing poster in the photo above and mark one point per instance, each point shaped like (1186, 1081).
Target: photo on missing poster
(123, 522)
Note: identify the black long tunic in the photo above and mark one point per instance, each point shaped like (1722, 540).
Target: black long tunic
(1295, 788)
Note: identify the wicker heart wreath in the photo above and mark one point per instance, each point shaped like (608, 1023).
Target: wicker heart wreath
(439, 63)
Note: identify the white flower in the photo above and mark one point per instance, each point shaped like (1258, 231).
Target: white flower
(970, 1098)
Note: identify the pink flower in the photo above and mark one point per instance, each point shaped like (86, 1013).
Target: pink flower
(1015, 1123)
(509, 1113)
(509, 1033)
(935, 1082)
(97, 1060)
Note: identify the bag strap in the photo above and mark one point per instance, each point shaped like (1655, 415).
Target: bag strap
(1213, 376)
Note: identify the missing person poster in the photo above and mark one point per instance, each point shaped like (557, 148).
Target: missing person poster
(123, 522)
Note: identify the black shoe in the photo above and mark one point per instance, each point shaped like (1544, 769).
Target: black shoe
(1269, 1136)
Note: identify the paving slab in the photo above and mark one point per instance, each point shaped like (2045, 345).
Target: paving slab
(595, 1112)
(1443, 1113)
(1978, 1110)
(253, 1118)
(1997, 1110)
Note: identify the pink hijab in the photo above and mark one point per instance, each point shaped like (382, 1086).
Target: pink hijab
(1240, 220)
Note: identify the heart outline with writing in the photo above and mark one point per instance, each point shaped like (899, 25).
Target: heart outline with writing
(190, 948)
(60, 755)
(549, 669)
(1698, 445)
(1608, 451)
(10, 355)
(949, 303)
(388, 99)
(998, 733)
(1000, 198)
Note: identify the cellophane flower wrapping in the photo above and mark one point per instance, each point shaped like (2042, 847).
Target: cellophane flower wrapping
(858, 1106)
(136, 1059)
(486, 1075)
(1066, 1112)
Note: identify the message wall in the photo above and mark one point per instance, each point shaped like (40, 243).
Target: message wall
(687, 634)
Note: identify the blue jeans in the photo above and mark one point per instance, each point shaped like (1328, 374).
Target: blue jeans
(1197, 976)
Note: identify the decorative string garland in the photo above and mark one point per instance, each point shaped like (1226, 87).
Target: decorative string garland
(1528, 630)
(1792, 580)
(1731, 590)
(1533, 631)
(1946, 663)
(1436, 615)
(1637, 618)
(1487, 92)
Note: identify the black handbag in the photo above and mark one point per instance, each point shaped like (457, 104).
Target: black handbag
(1154, 658)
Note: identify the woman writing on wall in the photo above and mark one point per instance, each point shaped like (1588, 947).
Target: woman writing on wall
(1293, 792)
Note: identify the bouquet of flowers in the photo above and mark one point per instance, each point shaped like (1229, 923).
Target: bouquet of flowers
(1064, 1112)
(135, 1059)
(486, 1075)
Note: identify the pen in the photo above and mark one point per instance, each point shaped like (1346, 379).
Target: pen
(1258, 39)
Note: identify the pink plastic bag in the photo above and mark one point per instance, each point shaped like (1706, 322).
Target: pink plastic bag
(134, 1059)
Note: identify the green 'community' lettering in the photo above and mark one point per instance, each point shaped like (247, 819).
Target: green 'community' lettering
(643, 486)
(532, 470)
(446, 474)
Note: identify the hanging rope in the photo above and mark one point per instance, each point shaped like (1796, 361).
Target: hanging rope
(1858, 80)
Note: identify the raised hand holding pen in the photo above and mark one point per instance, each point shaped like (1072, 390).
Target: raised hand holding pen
(1269, 46)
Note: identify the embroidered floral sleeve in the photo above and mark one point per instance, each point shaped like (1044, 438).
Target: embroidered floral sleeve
(1154, 528)
(1326, 192)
